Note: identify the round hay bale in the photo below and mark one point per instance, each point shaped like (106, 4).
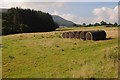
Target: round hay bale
(66, 34)
(77, 34)
(63, 35)
(71, 35)
(83, 35)
(96, 35)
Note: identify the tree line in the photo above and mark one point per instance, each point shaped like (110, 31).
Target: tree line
(102, 23)
(18, 20)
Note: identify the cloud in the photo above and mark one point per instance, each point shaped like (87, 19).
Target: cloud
(67, 16)
(43, 6)
(106, 14)
(55, 13)
(70, 17)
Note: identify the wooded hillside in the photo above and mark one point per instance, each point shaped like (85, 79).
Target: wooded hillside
(17, 20)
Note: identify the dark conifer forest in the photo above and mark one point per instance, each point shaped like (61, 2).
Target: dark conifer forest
(18, 20)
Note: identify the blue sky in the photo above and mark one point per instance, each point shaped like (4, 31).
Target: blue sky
(85, 8)
(78, 12)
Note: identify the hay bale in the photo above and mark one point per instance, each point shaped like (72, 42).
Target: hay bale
(71, 35)
(66, 34)
(63, 35)
(96, 35)
(83, 35)
(77, 34)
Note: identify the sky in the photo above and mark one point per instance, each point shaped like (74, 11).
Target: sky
(79, 12)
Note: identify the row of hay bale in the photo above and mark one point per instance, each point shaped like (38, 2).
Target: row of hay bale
(86, 35)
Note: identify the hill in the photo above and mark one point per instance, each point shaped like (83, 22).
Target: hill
(47, 55)
(62, 22)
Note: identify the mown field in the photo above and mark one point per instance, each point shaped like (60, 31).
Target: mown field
(47, 55)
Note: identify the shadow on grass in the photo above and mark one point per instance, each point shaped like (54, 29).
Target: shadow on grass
(109, 38)
(105, 39)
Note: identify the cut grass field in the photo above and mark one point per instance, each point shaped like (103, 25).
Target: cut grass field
(47, 55)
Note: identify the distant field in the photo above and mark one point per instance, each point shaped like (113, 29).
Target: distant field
(47, 55)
